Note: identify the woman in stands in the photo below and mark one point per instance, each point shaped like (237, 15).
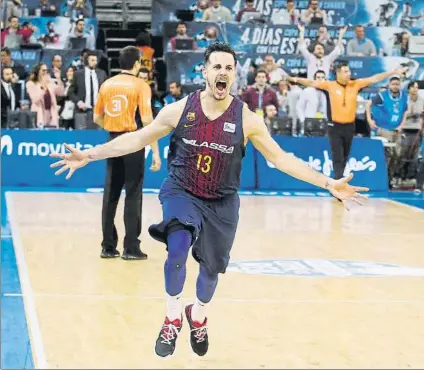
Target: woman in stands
(42, 92)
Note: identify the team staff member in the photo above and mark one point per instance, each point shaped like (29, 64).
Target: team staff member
(115, 111)
(342, 95)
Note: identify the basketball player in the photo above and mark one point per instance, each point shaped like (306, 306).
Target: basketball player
(199, 198)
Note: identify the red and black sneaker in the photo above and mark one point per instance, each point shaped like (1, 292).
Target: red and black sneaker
(165, 344)
(198, 333)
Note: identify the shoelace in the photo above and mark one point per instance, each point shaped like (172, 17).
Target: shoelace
(200, 333)
(169, 332)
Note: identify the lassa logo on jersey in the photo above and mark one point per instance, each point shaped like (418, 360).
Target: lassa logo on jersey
(221, 148)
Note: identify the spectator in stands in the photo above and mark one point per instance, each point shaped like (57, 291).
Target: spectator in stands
(260, 95)
(312, 102)
(181, 34)
(361, 46)
(270, 111)
(10, 94)
(324, 39)
(156, 101)
(274, 71)
(401, 46)
(293, 97)
(240, 83)
(313, 15)
(19, 72)
(13, 36)
(13, 8)
(386, 115)
(287, 15)
(80, 8)
(56, 67)
(174, 94)
(317, 60)
(86, 84)
(217, 13)
(82, 61)
(413, 129)
(78, 32)
(42, 92)
(386, 112)
(283, 98)
(249, 8)
(68, 106)
(46, 6)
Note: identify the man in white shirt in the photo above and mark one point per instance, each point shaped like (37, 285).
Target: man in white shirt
(317, 60)
(312, 102)
(217, 13)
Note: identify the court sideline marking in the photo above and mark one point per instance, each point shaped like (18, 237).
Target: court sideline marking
(398, 201)
(29, 303)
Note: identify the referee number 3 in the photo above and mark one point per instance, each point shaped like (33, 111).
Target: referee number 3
(204, 163)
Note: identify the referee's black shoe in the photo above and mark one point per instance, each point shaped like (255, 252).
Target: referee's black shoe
(134, 255)
(109, 253)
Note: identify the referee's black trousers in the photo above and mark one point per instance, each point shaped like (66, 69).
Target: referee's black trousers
(127, 170)
(340, 136)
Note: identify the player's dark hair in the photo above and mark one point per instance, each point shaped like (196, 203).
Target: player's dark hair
(128, 56)
(394, 78)
(219, 47)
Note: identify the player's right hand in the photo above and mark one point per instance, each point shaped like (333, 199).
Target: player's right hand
(69, 161)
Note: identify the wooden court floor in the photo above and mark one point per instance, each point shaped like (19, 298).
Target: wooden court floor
(292, 307)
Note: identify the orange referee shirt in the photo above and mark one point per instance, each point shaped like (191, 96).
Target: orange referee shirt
(118, 100)
(343, 98)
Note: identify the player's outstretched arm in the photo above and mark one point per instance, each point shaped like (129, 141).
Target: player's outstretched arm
(256, 130)
(131, 142)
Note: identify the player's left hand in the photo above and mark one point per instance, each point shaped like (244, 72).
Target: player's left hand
(345, 192)
(156, 163)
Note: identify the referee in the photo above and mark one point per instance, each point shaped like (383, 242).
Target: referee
(341, 111)
(117, 102)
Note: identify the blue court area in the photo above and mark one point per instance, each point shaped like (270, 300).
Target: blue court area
(15, 344)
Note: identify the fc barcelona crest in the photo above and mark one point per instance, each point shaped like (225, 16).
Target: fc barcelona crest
(191, 116)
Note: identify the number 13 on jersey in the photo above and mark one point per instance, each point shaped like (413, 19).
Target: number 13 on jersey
(204, 163)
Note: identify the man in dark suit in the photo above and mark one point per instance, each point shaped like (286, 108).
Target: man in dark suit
(86, 84)
(19, 72)
(10, 94)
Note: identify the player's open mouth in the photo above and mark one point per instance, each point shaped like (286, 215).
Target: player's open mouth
(221, 85)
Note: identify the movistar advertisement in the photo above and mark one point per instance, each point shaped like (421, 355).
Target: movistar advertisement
(26, 161)
(366, 162)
